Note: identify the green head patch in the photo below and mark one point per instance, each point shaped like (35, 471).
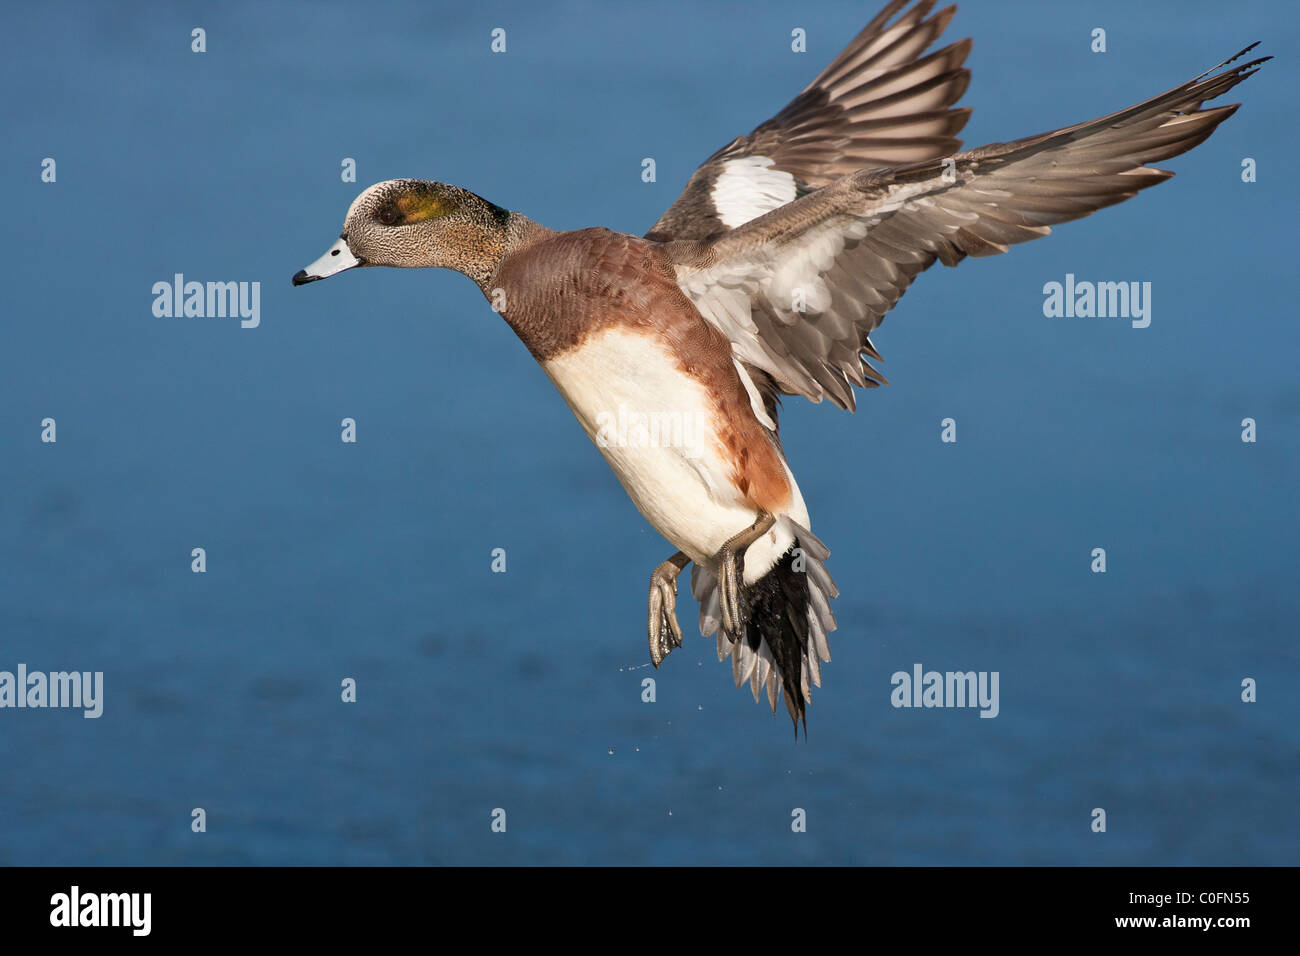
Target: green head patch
(422, 205)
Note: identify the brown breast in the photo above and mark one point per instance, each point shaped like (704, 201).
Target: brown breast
(565, 288)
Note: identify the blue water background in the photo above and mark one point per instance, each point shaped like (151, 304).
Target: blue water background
(522, 690)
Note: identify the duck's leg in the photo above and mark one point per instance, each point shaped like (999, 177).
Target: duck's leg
(729, 576)
(665, 632)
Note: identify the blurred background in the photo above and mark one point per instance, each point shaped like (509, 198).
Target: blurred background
(522, 690)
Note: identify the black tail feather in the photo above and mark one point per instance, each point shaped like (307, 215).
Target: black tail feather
(787, 617)
(776, 611)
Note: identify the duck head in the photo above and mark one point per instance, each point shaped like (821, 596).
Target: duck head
(416, 224)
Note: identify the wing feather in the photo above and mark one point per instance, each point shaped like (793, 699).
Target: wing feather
(799, 289)
(881, 102)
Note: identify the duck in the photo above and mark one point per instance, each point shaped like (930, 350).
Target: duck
(765, 279)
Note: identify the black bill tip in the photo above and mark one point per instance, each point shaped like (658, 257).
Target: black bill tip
(301, 278)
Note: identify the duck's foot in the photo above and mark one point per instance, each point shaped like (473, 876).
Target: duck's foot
(665, 632)
(729, 574)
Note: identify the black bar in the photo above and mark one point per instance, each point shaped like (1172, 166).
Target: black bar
(926, 904)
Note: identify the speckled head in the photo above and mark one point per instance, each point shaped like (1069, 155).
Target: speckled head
(414, 223)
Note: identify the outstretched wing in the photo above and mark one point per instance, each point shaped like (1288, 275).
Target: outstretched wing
(880, 103)
(799, 289)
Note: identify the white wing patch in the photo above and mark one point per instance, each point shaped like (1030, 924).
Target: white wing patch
(755, 400)
(748, 187)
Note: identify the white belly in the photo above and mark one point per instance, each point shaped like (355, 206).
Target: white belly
(655, 427)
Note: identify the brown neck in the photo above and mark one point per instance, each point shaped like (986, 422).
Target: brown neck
(520, 233)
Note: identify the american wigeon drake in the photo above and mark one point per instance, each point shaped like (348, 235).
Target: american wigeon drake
(763, 279)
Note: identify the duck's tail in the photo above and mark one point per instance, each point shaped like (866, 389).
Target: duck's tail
(787, 617)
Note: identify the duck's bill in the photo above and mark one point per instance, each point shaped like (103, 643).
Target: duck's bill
(338, 258)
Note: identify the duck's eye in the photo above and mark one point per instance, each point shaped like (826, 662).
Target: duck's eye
(388, 215)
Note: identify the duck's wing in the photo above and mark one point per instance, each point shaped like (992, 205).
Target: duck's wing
(880, 103)
(798, 290)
